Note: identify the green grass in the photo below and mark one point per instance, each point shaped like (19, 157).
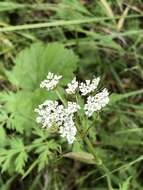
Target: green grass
(107, 36)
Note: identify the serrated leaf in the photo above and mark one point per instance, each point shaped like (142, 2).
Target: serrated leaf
(6, 157)
(32, 65)
(15, 156)
(6, 163)
(45, 151)
(20, 106)
(20, 161)
(43, 160)
(2, 136)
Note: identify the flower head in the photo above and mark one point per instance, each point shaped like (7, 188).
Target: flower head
(72, 86)
(62, 116)
(53, 114)
(46, 113)
(68, 129)
(73, 107)
(95, 103)
(89, 86)
(51, 81)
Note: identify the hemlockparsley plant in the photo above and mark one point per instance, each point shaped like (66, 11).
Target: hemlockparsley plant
(63, 115)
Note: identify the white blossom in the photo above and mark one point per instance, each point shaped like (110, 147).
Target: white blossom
(53, 114)
(89, 86)
(46, 113)
(95, 103)
(72, 86)
(73, 107)
(68, 129)
(51, 81)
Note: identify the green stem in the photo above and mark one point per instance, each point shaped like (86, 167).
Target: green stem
(99, 162)
(92, 150)
(100, 165)
(61, 98)
(90, 146)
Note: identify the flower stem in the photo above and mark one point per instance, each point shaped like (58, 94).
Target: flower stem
(92, 150)
(61, 98)
(90, 146)
(98, 161)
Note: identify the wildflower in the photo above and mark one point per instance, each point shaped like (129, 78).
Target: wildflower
(53, 114)
(89, 86)
(68, 130)
(73, 107)
(46, 113)
(72, 86)
(95, 103)
(51, 81)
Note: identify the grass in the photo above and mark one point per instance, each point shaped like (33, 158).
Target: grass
(107, 37)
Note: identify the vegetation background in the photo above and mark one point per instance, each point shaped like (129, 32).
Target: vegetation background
(82, 37)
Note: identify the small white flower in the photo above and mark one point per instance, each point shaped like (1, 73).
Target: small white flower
(95, 103)
(50, 113)
(89, 86)
(46, 113)
(53, 114)
(72, 86)
(51, 81)
(73, 107)
(68, 130)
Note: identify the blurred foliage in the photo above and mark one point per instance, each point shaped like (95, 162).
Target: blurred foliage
(109, 46)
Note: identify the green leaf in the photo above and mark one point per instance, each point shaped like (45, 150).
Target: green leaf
(45, 151)
(14, 157)
(119, 97)
(2, 136)
(20, 105)
(126, 184)
(81, 156)
(20, 161)
(32, 65)
(77, 147)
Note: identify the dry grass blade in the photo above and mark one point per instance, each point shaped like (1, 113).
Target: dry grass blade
(134, 8)
(121, 21)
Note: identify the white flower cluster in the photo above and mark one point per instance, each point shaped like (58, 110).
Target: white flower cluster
(53, 114)
(46, 113)
(89, 86)
(95, 103)
(85, 88)
(51, 82)
(72, 86)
